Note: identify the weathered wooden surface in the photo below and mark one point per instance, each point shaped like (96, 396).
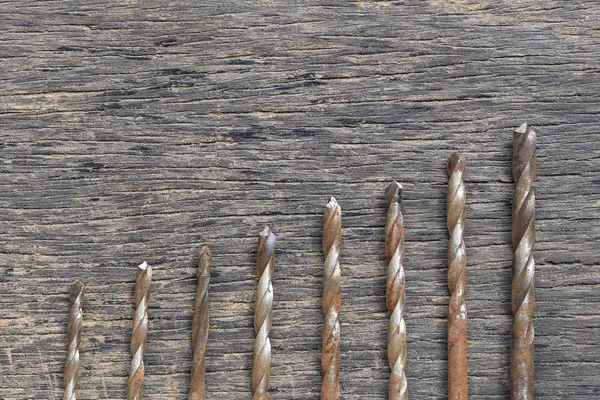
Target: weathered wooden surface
(142, 130)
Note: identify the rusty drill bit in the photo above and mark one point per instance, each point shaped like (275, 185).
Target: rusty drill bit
(139, 335)
(261, 363)
(395, 294)
(332, 301)
(523, 238)
(73, 339)
(457, 281)
(200, 327)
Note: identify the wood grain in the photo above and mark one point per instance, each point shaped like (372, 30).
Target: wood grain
(143, 130)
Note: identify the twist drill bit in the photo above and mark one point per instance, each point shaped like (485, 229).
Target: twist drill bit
(73, 339)
(139, 335)
(457, 281)
(523, 238)
(396, 295)
(200, 327)
(261, 363)
(330, 355)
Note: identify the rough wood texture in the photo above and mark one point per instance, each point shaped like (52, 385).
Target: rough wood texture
(142, 130)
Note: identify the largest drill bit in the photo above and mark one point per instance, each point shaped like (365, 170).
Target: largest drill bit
(200, 327)
(73, 339)
(139, 335)
(330, 354)
(395, 294)
(261, 363)
(523, 238)
(457, 281)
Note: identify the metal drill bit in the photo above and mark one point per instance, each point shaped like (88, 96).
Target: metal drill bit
(330, 355)
(73, 339)
(139, 335)
(200, 327)
(261, 363)
(457, 281)
(395, 294)
(523, 239)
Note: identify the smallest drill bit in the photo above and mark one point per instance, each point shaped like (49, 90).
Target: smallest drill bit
(139, 335)
(73, 339)
(331, 301)
(200, 327)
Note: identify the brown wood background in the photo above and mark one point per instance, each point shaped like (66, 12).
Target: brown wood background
(142, 130)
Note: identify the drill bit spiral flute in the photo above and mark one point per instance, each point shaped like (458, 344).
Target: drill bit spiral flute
(73, 339)
(396, 295)
(139, 335)
(523, 238)
(330, 353)
(261, 363)
(200, 327)
(457, 281)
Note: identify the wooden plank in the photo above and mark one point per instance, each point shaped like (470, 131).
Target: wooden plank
(136, 131)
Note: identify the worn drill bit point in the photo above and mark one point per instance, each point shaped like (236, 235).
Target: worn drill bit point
(330, 354)
(261, 363)
(457, 281)
(139, 335)
(523, 239)
(73, 339)
(395, 294)
(200, 327)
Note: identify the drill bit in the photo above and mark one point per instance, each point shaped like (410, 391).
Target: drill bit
(73, 339)
(396, 295)
(330, 355)
(139, 335)
(523, 270)
(457, 281)
(261, 363)
(200, 327)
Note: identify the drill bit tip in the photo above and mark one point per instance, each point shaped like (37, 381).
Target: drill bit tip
(522, 129)
(265, 232)
(393, 193)
(204, 251)
(78, 284)
(267, 236)
(456, 161)
(204, 262)
(266, 246)
(523, 132)
(332, 203)
(77, 288)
